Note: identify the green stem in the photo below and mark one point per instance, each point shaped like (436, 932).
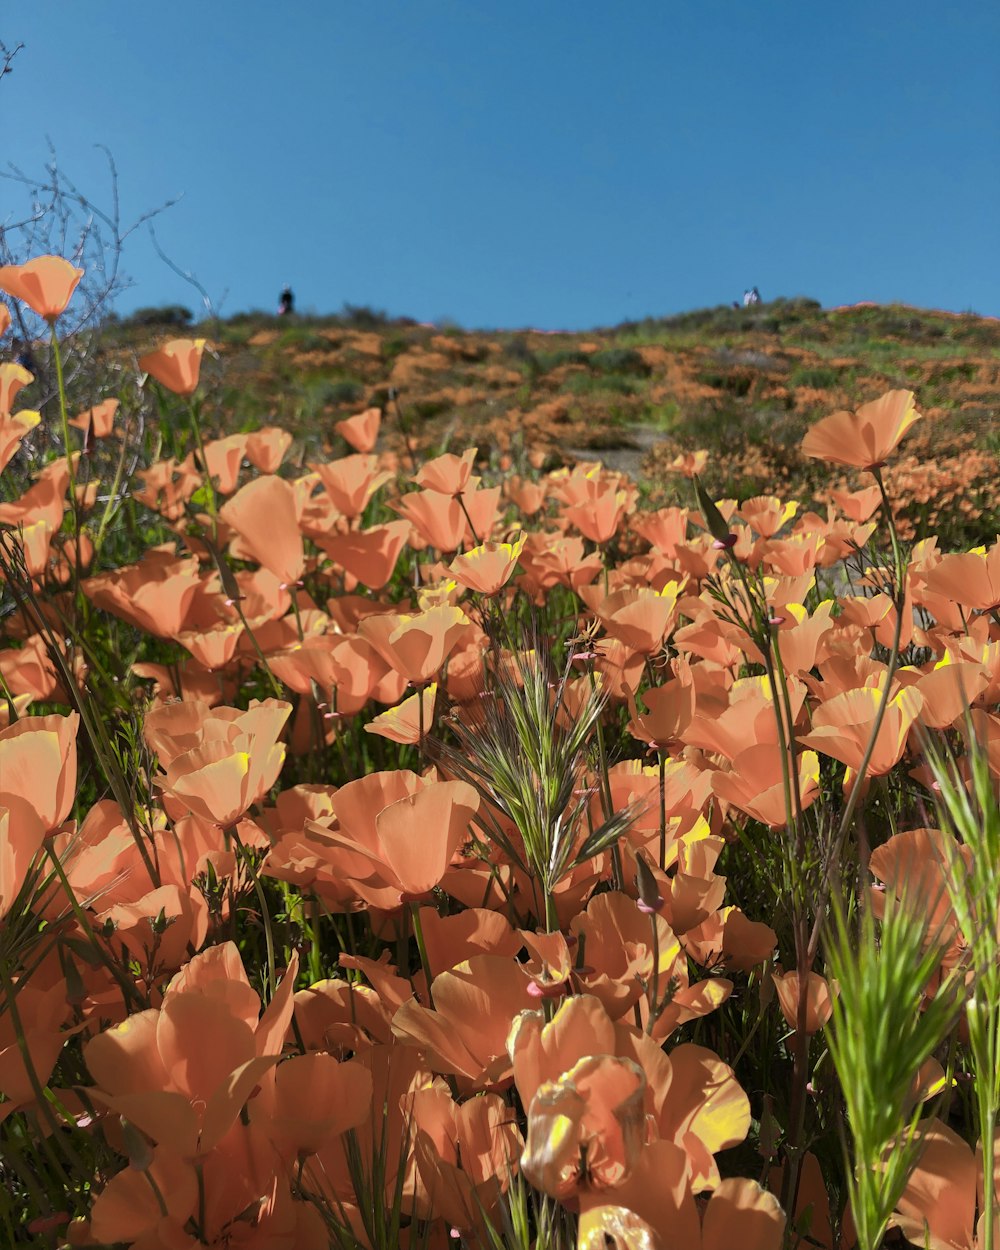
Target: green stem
(418, 930)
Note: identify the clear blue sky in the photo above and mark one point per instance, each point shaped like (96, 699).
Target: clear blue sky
(557, 163)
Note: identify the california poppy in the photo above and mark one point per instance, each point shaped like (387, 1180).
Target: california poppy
(447, 474)
(410, 720)
(266, 448)
(265, 514)
(368, 555)
(97, 420)
(12, 430)
(361, 431)
(417, 644)
(13, 378)
(863, 439)
(46, 284)
(176, 365)
(351, 481)
(488, 567)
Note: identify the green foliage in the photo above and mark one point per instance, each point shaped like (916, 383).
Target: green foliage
(884, 1026)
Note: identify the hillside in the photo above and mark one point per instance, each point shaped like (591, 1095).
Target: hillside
(743, 384)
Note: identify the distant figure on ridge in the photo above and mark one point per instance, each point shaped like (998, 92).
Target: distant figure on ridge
(754, 296)
(286, 303)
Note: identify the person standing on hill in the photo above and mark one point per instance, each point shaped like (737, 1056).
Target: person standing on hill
(286, 303)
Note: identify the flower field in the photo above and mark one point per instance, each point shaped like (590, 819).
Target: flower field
(414, 849)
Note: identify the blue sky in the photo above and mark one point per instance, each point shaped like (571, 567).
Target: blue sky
(550, 163)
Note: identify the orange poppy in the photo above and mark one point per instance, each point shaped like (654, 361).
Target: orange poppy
(37, 776)
(155, 595)
(466, 1032)
(858, 505)
(13, 378)
(465, 1155)
(766, 514)
(265, 514)
(818, 995)
(4, 319)
(655, 1207)
(369, 555)
(416, 645)
(221, 777)
(351, 481)
(447, 474)
(46, 284)
(970, 578)
(527, 497)
(586, 1129)
(863, 439)
(361, 431)
(841, 727)
(313, 1099)
(415, 839)
(640, 617)
(410, 720)
(487, 568)
(223, 460)
(938, 1208)
(755, 783)
(266, 448)
(97, 420)
(12, 430)
(176, 365)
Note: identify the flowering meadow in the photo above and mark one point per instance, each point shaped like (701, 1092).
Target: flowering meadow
(398, 849)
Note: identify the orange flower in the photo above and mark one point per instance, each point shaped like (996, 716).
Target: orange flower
(368, 555)
(98, 420)
(265, 514)
(487, 568)
(438, 519)
(938, 1206)
(37, 785)
(404, 722)
(671, 708)
(640, 617)
(402, 851)
(266, 448)
(12, 379)
(176, 365)
(361, 431)
(841, 727)
(863, 439)
(12, 430)
(755, 783)
(416, 646)
(219, 779)
(314, 1098)
(466, 1032)
(351, 482)
(465, 1155)
(46, 284)
(971, 578)
(154, 595)
(4, 319)
(585, 1130)
(447, 474)
(818, 994)
(157, 1070)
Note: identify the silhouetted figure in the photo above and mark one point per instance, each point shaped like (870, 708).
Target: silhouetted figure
(754, 296)
(286, 303)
